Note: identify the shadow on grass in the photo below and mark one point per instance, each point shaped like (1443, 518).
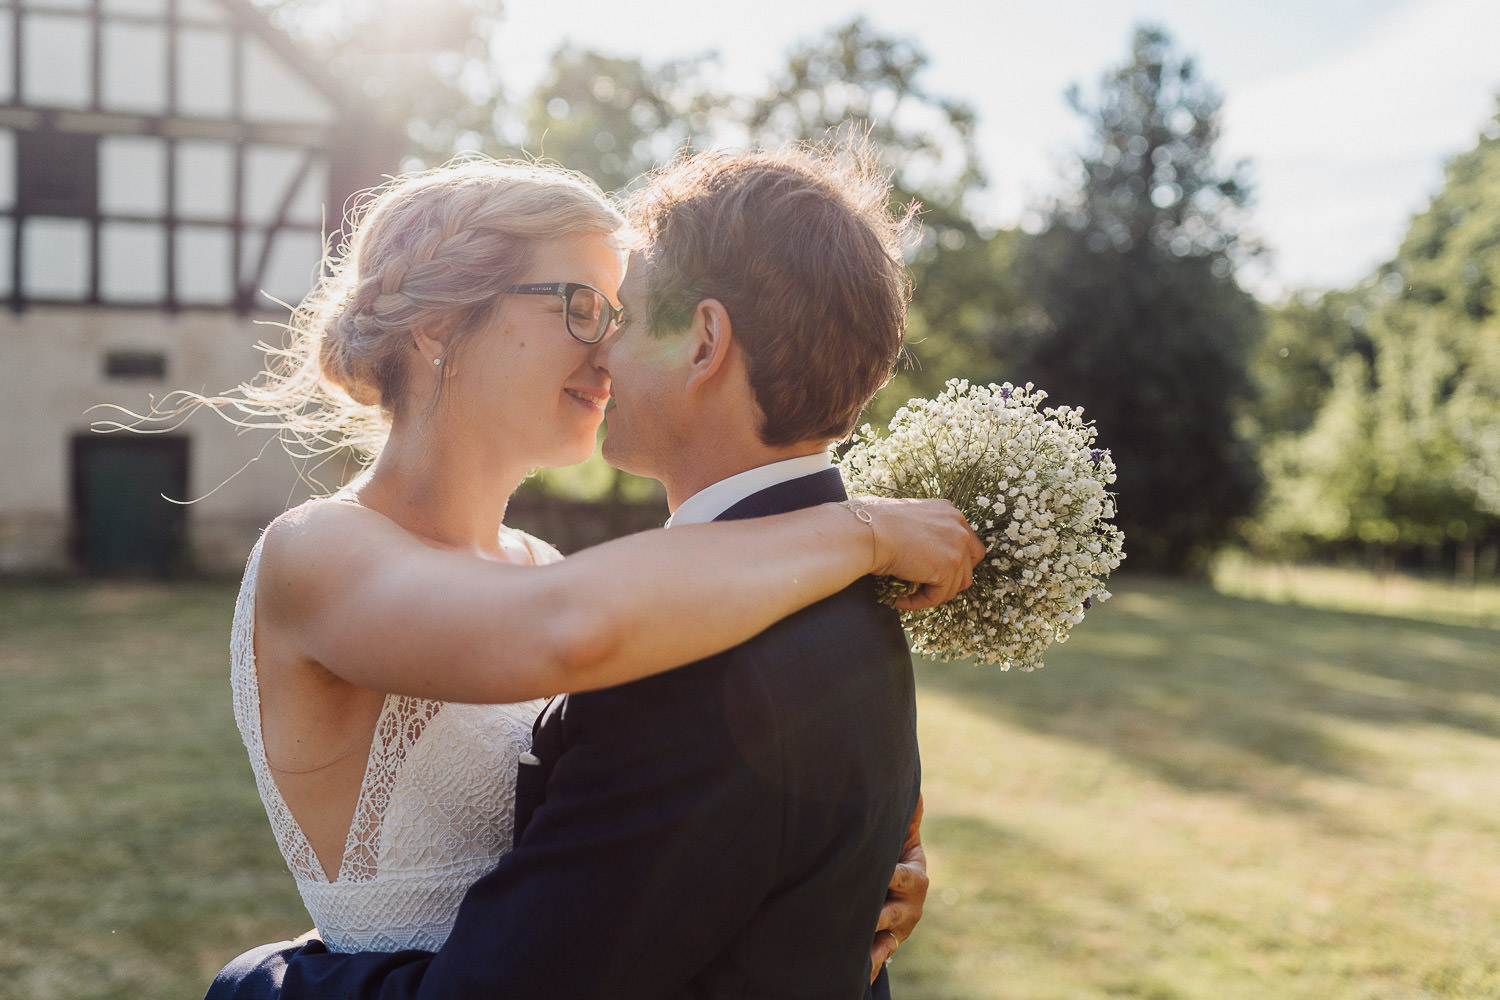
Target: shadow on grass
(1005, 896)
(1014, 913)
(1219, 693)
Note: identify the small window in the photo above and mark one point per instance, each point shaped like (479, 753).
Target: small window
(135, 364)
(205, 265)
(59, 174)
(56, 264)
(205, 180)
(132, 262)
(62, 74)
(133, 67)
(133, 176)
(205, 61)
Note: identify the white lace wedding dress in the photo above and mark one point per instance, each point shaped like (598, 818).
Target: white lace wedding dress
(436, 808)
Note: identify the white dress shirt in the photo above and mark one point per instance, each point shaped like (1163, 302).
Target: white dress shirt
(711, 501)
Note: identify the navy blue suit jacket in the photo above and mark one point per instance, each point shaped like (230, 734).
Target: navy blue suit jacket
(726, 829)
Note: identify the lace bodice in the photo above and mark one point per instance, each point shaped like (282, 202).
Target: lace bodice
(436, 808)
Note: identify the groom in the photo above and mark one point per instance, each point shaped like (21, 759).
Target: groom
(727, 829)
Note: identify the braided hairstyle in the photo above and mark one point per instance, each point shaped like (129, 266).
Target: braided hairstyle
(430, 248)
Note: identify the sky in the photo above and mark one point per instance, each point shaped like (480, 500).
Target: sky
(1347, 110)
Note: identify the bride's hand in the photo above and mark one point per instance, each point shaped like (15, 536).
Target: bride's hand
(925, 542)
(903, 900)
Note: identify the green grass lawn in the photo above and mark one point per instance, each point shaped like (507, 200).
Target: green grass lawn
(1201, 796)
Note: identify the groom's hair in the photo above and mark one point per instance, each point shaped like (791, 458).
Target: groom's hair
(801, 248)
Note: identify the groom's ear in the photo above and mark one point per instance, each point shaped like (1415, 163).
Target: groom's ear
(712, 343)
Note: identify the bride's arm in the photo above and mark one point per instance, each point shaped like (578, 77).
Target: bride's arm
(343, 588)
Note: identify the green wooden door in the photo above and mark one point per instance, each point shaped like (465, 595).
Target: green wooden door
(122, 523)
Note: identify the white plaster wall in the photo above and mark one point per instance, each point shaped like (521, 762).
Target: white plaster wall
(52, 372)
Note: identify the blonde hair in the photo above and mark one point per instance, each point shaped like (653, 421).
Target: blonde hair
(428, 248)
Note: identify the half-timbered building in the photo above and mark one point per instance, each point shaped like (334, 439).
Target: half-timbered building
(168, 169)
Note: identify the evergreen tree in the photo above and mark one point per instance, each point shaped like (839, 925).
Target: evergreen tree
(1139, 317)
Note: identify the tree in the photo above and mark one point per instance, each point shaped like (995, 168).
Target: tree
(967, 296)
(1399, 450)
(1139, 317)
(1295, 365)
(616, 118)
(1440, 328)
(427, 70)
(854, 77)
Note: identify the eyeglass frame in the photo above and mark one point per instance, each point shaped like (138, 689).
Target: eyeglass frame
(613, 316)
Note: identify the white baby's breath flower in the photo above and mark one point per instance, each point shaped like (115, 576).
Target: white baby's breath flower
(1035, 481)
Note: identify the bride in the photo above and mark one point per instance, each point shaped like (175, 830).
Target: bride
(391, 640)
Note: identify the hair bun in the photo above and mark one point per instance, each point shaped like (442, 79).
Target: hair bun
(344, 365)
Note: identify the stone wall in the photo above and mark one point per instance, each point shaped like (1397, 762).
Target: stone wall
(53, 379)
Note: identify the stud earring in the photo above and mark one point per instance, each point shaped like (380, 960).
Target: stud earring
(437, 362)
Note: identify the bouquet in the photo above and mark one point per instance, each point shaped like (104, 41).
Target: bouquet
(1035, 488)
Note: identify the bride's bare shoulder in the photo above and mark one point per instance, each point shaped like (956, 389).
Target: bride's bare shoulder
(326, 535)
(329, 515)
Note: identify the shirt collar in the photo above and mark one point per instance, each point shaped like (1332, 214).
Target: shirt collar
(711, 501)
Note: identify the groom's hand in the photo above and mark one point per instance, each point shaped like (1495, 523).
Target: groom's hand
(904, 898)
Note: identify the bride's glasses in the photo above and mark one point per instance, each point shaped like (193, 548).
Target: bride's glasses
(586, 310)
